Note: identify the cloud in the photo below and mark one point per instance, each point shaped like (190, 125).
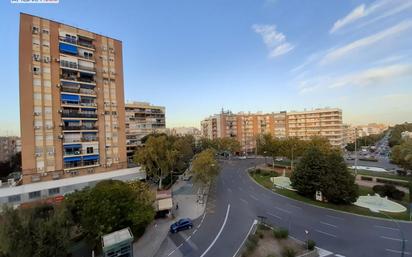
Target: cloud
(275, 41)
(369, 77)
(354, 15)
(366, 41)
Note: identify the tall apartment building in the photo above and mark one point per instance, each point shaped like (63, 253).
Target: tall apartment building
(246, 127)
(8, 147)
(71, 101)
(142, 119)
(348, 134)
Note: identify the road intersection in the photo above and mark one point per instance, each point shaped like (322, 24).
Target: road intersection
(237, 201)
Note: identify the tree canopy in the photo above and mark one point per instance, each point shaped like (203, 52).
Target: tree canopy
(205, 167)
(326, 172)
(111, 205)
(402, 154)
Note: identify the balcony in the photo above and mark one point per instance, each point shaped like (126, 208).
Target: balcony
(79, 128)
(80, 164)
(72, 114)
(79, 42)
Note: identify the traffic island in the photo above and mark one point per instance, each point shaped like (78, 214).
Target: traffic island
(273, 241)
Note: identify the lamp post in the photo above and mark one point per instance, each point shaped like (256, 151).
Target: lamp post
(265, 152)
(356, 152)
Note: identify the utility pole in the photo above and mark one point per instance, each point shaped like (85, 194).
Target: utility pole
(356, 152)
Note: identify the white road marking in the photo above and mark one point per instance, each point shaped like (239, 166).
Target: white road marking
(325, 233)
(194, 231)
(254, 197)
(339, 255)
(171, 252)
(396, 251)
(273, 215)
(281, 209)
(188, 238)
(378, 226)
(323, 252)
(248, 233)
(218, 234)
(334, 217)
(328, 224)
(243, 200)
(393, 238)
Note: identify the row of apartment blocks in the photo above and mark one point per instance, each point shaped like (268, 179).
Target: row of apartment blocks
(245, 127)
(72, 107)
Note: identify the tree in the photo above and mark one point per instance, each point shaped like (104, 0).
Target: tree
(205, 167)
(112, 205)
(230, 145)
(337, 183)
(30, 232)
(402, 154)
(326, 172)
(291, 148)
(157, 157)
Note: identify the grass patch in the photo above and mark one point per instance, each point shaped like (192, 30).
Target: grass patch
(265, 181)
(381, 174)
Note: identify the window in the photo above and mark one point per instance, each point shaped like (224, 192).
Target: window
(45, 31)
(46, 59)
(89, 149)
(36, 57)
(54, 191)
(36, 70)
(36, 41)
(46, 43)
(34, 195)
(35, 30)
(46, 70)
(36, 82)
(47, 83)
(37, 96)
(14, 198)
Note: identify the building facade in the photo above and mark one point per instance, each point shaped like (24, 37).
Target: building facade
(71, 101)
(246, 127)
(142, 119)
(9, 146)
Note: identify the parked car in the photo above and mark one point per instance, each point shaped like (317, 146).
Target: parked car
(181, 224)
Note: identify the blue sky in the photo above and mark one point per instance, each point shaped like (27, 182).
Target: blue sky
(195, 57)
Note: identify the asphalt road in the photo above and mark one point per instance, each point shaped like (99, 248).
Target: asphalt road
(235, 202)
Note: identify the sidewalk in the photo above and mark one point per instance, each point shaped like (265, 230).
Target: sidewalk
(185, 194)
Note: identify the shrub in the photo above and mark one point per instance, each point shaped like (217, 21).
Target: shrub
(311, 244)
(288, 252)
(366, 178)
(393, 182)
(262, 227)
(389, 190)
(280, 233)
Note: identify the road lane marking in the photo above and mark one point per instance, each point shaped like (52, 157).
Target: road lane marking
(396, 251)
(334, 217)
(378, 226)
(194, 231)
(254, 197)
(339, 255)
(393, 238)
(218, 234)
(323, 252)
(273, 215)
(328, 224)
(171, 252)
(281, 209)
(325, 233)
(243, 200)
(188, 238)
(248, 233)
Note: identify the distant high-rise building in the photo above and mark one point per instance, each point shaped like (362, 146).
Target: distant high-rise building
(142, 119)
(71, 101)
(9, 146)
(245, 127)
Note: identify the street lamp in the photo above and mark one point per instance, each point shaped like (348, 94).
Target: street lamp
(265, 152)
(356, 152)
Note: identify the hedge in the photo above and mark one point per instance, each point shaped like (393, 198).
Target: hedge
(366, 178)
(393, 182)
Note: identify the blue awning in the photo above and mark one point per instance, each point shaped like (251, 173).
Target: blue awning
(90, 158)
(73, 146)
(74, 98)
(66, 48)
(72, 159)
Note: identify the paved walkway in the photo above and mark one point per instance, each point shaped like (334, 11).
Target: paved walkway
(185, 194)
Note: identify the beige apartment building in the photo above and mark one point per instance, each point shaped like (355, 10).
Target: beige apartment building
(142, 119)
(71, 101)
(246, 127)
(9, 146)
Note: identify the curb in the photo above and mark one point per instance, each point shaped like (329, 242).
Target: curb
(317, 206)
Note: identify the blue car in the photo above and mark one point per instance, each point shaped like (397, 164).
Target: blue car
(181, 224)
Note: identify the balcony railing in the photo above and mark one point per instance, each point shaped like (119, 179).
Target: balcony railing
(80, 164)
(82, 67)
(76, 42)
(78, 115)
(79, 128)
(87, 80)
(89, 139)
